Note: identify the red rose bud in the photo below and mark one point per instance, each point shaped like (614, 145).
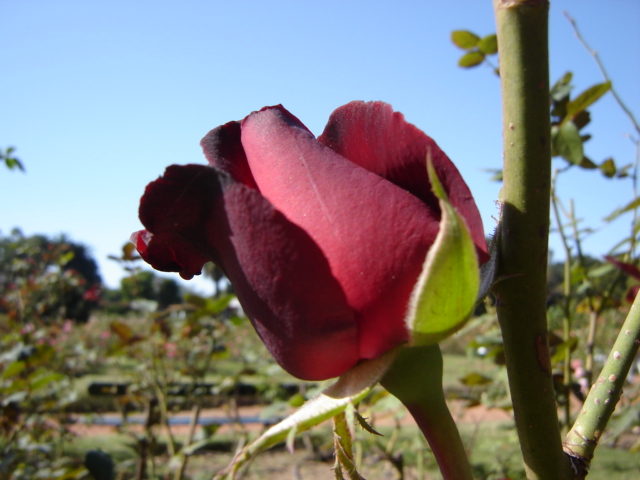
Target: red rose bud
(323, 239)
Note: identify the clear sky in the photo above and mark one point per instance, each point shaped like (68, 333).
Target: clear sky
(99, 97)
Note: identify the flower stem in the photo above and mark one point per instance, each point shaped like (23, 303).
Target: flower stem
(415, 378)
(582, 439)
(522, 29)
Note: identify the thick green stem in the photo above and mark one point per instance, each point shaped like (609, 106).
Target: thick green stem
(523, 245)
(582, 439)
(415, 378)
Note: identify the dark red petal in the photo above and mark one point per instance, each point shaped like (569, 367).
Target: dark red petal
(375, 137)
(283, 281)
(223, 150)
(174, 209)
(374, 234)
(628, 268)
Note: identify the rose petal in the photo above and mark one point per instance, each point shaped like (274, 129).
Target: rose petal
(375, 137)
(223, 150)
(374, 234)
(280, 276)
(174, 210)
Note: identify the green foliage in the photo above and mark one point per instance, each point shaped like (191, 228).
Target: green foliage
(44, 283)
(168, 293)
(44, 354)
(566, 142)
(489, 45)
(477, 49)
(464, 39)
(36, 377)
(568, 117)
(471, 59)
(10, 161)
(46, 278)
(139, 285)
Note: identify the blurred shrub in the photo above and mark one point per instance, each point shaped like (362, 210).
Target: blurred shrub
(47, 278)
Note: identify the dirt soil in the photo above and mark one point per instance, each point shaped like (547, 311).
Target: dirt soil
(460, 413)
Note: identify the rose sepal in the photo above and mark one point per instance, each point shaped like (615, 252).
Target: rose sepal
(350, 388)
(448, 287)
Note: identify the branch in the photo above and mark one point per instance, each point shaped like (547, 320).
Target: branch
(523, 249)
(582, 439)
(567, 319)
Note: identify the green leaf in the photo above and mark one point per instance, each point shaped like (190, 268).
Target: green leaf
(471, 59)
(217, 305)
(474, 379)
(350, 389)
(45, 380)
(582, 119)
(608, 168)
(12, 163)
(562, 87)
(13, 369)
(65, 258)
(619, 211)
(587, 98)
(125, 333)
(464, 39)
(563, 349)
(296, 400)
(601, 270)
(42, 356)
(445, 295)
(624, 171)
(489, 44)
(195, 300)
(587, 164)
(496, 174)
(129, 252)
(566, 142)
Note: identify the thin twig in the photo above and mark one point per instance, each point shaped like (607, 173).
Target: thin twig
(567, 317)
(595, 56)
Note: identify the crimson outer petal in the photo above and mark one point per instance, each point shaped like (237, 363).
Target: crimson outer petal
(281, 277)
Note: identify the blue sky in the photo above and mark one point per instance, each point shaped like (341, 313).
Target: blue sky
(99, 97)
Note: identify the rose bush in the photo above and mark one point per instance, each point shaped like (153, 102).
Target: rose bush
(323, 239)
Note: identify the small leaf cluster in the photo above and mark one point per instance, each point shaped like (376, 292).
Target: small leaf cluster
(568, 118)
(477, 49)
(10, 160)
